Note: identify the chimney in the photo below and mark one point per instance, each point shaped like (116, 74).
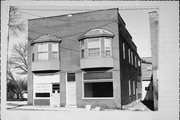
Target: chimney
(153, 20)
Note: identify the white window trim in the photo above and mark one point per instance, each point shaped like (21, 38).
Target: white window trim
(58, 51)
(90, 81)
(43, 52)
(88, 49)
(108, 49)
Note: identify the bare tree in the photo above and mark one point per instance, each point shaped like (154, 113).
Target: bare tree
(17, 65)
(18, 58)
(15, 25)
(13, 87)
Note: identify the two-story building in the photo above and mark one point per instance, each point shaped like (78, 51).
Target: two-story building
(80, 59)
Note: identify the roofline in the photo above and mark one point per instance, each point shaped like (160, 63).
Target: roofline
(75, 13)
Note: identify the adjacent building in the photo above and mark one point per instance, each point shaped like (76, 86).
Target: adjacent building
(81, 59)
(147, 79)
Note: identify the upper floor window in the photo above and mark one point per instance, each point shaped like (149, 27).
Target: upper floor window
(94, 47)
(107, 46)
(96, 42)
(129, 54)
(135, 58)
(55, 47)
(43, 51)
(132, 58)
(124, 51)
(129, 87)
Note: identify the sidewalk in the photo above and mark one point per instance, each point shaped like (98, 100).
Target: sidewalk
(22, 105)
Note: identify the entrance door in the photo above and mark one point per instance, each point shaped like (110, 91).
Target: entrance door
(55, 95)
(71, 89)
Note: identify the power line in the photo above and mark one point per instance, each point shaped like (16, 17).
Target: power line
(30, 14)
(144, 8)
(75, 20)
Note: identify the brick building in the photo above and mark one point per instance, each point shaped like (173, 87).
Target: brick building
(82, 58)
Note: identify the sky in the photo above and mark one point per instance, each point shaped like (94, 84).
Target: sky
(137, 22)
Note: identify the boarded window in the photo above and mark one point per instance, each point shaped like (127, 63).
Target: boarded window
(97, 75)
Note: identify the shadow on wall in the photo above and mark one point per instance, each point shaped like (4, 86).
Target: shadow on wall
(149, 89)
(148, 100)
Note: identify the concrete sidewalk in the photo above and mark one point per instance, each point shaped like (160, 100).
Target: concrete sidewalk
(22, 105)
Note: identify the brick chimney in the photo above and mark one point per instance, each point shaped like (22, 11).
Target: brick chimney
(154, 25)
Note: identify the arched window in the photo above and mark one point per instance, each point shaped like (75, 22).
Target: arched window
(96, 42)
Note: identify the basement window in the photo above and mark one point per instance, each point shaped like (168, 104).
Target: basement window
(98, 85)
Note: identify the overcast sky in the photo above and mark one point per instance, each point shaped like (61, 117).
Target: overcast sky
(137, 22)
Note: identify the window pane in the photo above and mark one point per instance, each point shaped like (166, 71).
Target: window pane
(129, 55)
(70, 77)
(107, 46)
(82, 53)
(129, 87)
(56, 88)
(42, 47)
(43, 51)
(97, 75)
(132, 58)
(123, 50)
(55, 47)
(101, 89)
(94, 52)
(107, 42)
(82, 44)
(32, 56)
(43, 56)
(55, 55)
(108, 52)
(94, 43)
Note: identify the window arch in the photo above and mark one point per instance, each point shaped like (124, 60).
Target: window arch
(96, 42)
